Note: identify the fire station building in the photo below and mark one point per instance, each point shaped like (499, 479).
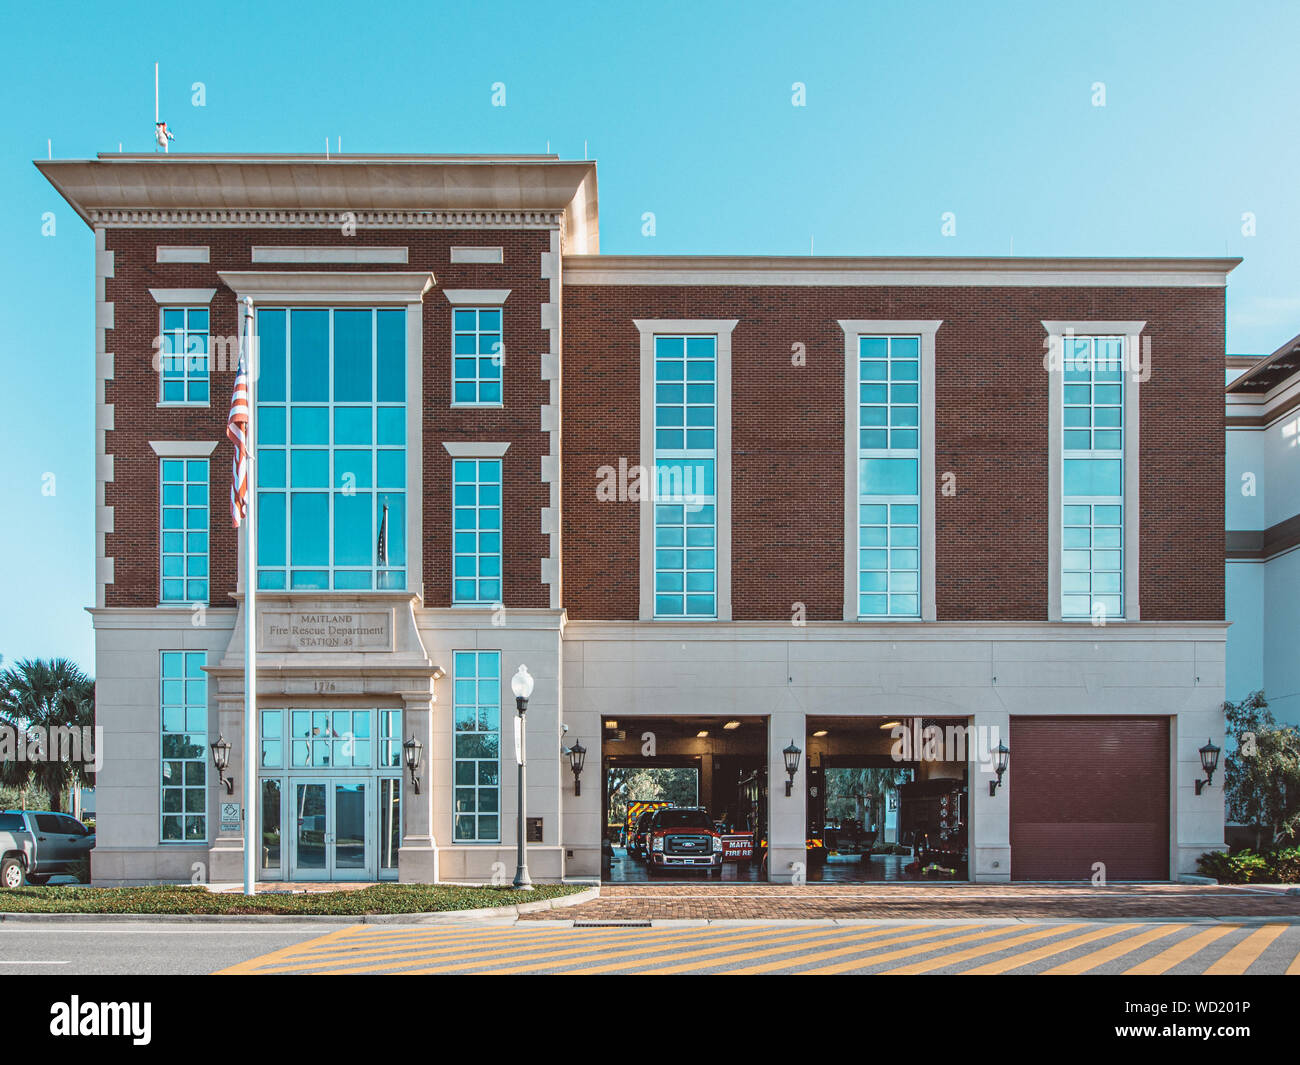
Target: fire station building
(765, 519)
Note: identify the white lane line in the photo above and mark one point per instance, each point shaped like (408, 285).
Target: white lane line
(4, 961)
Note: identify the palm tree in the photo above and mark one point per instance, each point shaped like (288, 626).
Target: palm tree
(47, 694)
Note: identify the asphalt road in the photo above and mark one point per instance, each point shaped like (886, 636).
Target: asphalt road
(139, 947)
(893, 947)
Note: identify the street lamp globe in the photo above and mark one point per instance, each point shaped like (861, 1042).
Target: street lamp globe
(522, 683)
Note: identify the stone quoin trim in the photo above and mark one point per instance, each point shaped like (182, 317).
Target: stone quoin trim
(853, 329)
(104, 265)
(1131, 331)
(551, 565)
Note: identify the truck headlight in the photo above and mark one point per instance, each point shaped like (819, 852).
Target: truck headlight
(658, 844)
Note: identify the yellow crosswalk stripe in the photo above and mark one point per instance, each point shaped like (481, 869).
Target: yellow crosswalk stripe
(641, 945)
(858, 936)
(1294, 968)
(252, 964)
(578, 948)
(975, 952)
(915, 946)
(1016, 961)
(1240, 957)
(416, 951)
(1179, 952)
(868, 942)
(315, 949)
(1113, 951)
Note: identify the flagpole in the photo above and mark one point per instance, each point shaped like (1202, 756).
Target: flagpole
(250, 617)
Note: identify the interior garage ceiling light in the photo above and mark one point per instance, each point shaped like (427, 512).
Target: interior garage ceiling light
(891, 724)
(611, 724)
(702, 734)
(820, 732)
(732, 724)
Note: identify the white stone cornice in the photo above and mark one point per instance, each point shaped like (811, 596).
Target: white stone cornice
(893, 271)
(203, 218)
(329, 286)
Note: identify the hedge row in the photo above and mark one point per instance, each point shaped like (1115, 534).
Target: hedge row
(380, 898)
(1247, 867)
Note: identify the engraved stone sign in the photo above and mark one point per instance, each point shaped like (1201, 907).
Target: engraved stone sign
(327, 630)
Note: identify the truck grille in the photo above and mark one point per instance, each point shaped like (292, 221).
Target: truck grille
(688, 844)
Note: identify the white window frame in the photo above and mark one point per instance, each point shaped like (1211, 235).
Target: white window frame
(345, 288)
(190, 455)
(476, 450)
(1057, 331)
(183, 450)
(184, 300)
(203, 753)
(924, 329)
(500, 733)
(499, 356)
(331, 449)
(721, 329)
(477, 299)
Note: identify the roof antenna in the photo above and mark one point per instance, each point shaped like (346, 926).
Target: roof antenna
(584, 150)
(49, 151)
(161, 133)
(327, 149)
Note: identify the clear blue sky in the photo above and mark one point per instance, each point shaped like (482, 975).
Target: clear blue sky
(912, 110)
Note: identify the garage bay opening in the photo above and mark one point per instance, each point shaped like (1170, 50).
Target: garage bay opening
(888, 799)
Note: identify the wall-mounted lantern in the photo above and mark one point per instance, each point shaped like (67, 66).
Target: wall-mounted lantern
(1000, 766)
(1209, 762)
(221, 759)
(792, 754)
(577, 759)
(413, 750)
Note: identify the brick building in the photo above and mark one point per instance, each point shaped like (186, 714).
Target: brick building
(761, 519)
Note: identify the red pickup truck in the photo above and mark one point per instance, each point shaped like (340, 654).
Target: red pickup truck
(683, 837)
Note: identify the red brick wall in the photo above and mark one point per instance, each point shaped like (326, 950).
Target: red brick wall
(133, 392)
(991, 432)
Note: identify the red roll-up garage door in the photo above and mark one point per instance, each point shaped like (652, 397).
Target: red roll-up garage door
(1087, 790)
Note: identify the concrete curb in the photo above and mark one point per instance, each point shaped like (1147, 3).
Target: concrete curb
(496, 914)
(862, 922)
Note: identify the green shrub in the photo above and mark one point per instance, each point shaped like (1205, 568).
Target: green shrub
(1249, 867)
(378, 898)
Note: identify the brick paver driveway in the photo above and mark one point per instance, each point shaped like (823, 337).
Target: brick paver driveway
(630, 902)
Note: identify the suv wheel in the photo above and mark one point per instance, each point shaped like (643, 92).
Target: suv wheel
(12, 873)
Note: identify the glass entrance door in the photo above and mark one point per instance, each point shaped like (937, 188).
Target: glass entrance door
(329, 838)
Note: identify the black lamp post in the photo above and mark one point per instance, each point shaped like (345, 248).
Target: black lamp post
(221, 759)
(1209, 762)
(413, 749)
(577, 759)
(522, 685)
(792, 754)
(1003, 760)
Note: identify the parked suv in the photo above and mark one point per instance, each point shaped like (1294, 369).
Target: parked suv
(38, 844)
(684, 837)
(638, 846)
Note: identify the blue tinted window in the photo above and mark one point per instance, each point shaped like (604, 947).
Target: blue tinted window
(321, 522)
(183, 531)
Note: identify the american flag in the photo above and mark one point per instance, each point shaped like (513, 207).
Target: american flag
(381, 548)
(237, 432)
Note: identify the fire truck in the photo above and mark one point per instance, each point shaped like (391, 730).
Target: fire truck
(932, 815)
